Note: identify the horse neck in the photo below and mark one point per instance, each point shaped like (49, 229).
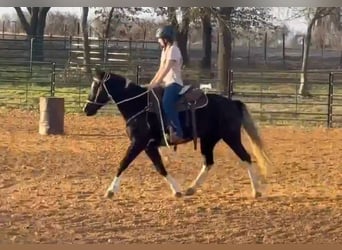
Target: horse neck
(131, 100)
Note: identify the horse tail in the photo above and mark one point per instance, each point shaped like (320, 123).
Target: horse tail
(255, 140)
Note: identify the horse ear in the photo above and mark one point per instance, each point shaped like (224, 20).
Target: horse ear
(98, 72)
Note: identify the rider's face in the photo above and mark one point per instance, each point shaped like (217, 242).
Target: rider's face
(161, 42)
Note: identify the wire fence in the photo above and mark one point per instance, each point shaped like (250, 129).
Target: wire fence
(64, 50)
(272, 96)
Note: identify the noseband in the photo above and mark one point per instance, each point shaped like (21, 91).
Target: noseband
(103, 83)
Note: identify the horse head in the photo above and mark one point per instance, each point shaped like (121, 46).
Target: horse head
(105, 87)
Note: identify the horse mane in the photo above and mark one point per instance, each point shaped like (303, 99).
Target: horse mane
(131, 85)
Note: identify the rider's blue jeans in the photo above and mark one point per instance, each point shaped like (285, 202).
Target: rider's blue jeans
(170, 98)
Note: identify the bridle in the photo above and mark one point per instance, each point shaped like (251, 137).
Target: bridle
(103, 83)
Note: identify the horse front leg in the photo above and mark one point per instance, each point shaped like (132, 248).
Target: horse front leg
(134, 149)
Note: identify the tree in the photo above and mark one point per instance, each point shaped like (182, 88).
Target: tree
(34, 28)
(107, 22)
(235, 22)
(86, 47)
(205, 15)
(312, 15)
(59, 23)
(182, 28)
(225, 47)
(201, 17)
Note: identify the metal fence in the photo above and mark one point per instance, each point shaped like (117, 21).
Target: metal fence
(63, 50)
(22, 83)
(272, 96)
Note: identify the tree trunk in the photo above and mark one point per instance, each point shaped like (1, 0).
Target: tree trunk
(35, 29)
(39, 42)
(304, 88)
(182, 31)
(182, 36)
(225, 49)
(110, 16)
(172, 17)
(206, 39)
(86, 47)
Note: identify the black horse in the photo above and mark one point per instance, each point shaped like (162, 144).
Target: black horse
(220, 118)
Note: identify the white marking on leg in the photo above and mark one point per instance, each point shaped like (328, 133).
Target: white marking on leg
(115, 185)
(200, 177)
(165, 159)
(173, 184)
(252, 176)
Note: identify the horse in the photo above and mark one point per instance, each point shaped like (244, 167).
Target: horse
(219, 118)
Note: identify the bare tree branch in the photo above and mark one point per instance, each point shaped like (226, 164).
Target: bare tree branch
(110, 16)
(23, 20)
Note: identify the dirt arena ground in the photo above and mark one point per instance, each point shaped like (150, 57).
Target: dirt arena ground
(52, 188)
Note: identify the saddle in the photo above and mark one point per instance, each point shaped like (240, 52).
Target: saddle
(191, 99)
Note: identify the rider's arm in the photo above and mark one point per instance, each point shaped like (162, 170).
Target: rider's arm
(153, 81)
(162, 72)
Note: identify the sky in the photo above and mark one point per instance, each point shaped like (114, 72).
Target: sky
(296, 26)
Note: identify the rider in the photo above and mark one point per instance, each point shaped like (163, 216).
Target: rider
(170, 74)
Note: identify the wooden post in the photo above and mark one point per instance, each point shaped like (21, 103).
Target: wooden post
(249, 49)
(51, 115)
(303, 43)
(3, 29)
(284, 48)
(265, 47)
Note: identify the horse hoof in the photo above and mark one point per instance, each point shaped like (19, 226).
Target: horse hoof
(257, 194)
(178, 194)
(190, 191)
(109, 194)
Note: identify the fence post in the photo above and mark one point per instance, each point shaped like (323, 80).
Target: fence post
(78, 35)
(104, 50)
(249, 49)
(138, 71)
(284, 48)
(130, 46)
(3, 29)
(230, 84)
(53, 80)
(31, 53)
(70, 46)
(15, 30)
(303, 44)
(265, 47)
(65, 35)
(330, 100)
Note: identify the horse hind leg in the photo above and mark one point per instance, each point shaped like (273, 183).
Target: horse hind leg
(234, 142)
(155, 156)
(207, 148)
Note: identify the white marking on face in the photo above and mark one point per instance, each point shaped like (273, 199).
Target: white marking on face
(96, 79)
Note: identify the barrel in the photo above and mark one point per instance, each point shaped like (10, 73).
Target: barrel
(51, 115)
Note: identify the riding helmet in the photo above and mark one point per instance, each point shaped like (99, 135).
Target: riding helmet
(167, 32)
